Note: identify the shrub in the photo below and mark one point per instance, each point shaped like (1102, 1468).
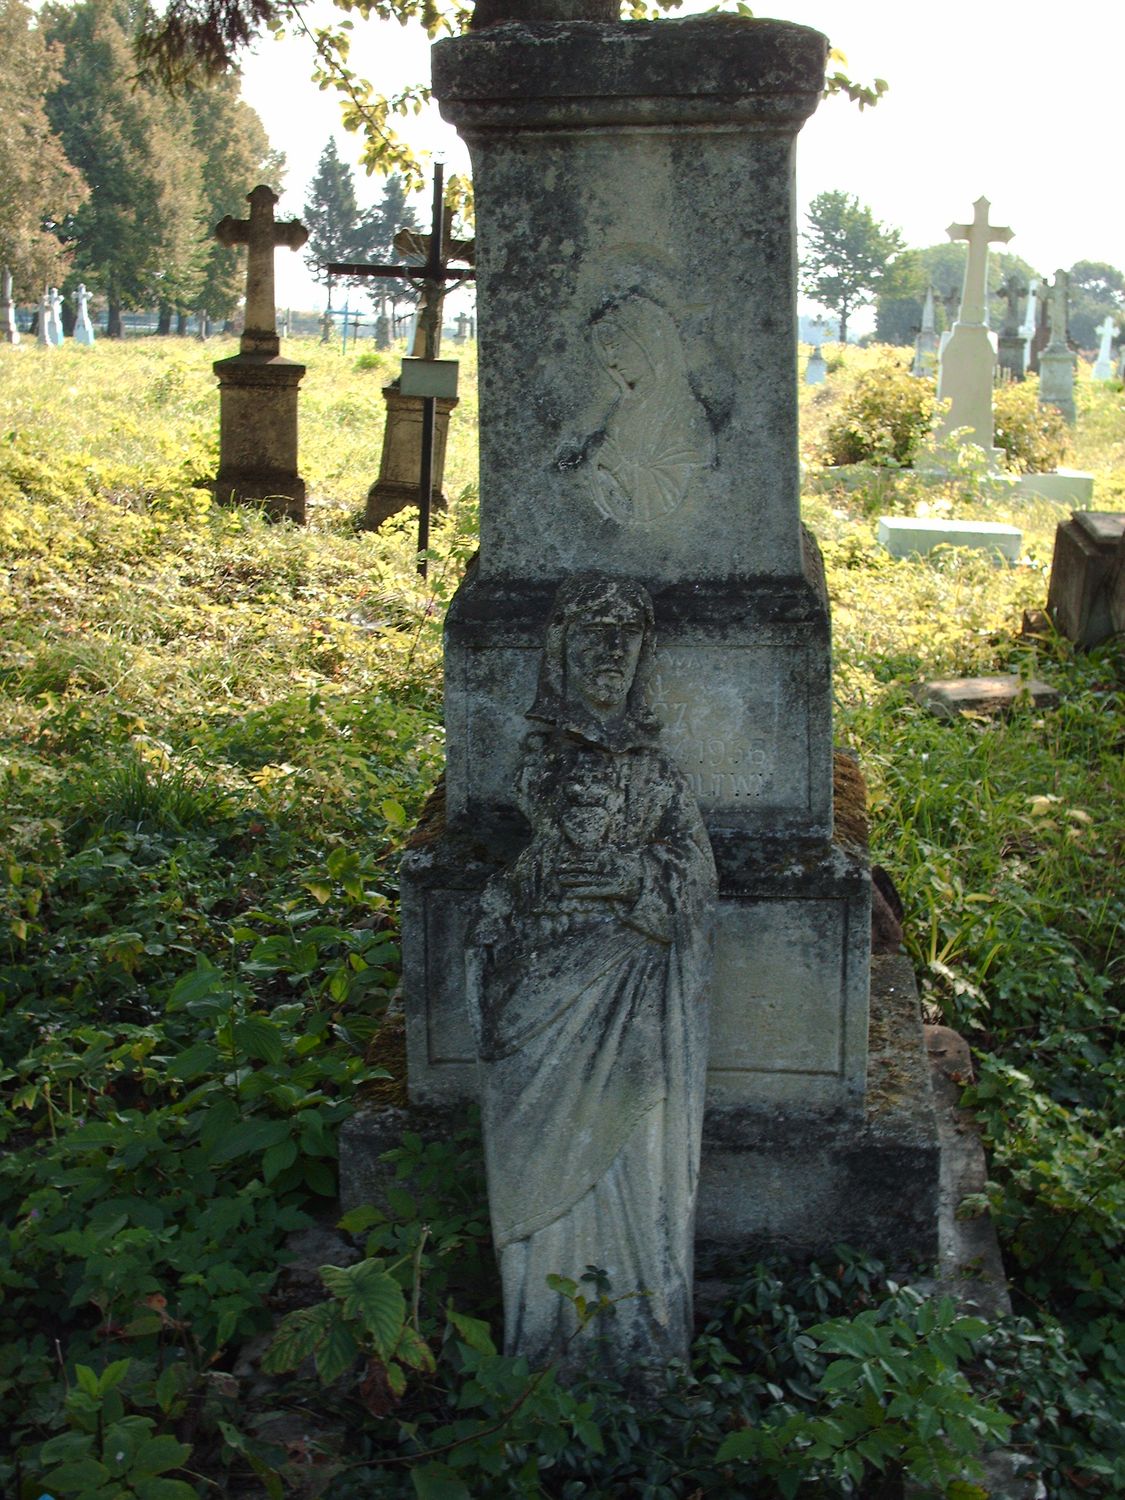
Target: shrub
(884, 419)
(1035, 438)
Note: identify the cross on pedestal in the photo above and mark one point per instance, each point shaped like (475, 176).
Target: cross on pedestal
(439, 248)
(980, 234)
(1058, 312)
(262, 235)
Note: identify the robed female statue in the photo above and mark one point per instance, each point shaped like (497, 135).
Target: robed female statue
(587, 977)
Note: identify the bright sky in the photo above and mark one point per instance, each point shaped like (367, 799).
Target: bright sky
(1021, 104)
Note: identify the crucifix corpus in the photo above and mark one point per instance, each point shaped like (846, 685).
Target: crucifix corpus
(424, 375)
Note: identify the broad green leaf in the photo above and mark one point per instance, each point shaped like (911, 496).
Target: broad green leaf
(337, 1352)
(438, 1482)
(370, 1297)
(475, 1331)
(74, 1478)
(259, 1038)
(277, 1158)
(394, 812)
(149, 1488)
(198, 1059)
(319, 890)
(249, 1137)
(297, 1338)
(198, 985)
(158, 1454)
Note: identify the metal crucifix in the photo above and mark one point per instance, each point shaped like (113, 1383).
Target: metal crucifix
(425, 375)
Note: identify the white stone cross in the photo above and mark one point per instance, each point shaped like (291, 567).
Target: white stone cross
(1106, 332)
(262, 235)
(980, 233)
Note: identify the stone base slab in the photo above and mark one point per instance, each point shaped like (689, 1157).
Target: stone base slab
(907, 536)
(774, 1178)
(789, 987)
(948, 697)
(1066, 486)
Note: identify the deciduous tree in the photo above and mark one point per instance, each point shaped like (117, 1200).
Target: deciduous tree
(39, 188)
(849, 255)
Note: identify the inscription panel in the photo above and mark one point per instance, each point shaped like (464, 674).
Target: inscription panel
(736, 720)
(778, 991)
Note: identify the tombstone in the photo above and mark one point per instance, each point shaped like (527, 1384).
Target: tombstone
(926, 343)
(647, 618)
(327, 325)
(816, 371)
(257, 387)
(1029, 324)
(83, 328)
(9, 332)
(54, 317)
(1057, 362)
(1042, 335)
(1085, 574)
(1010, 357)
(950, 302)
(914, 536)
(1103, 365)
(462, 332)
(382, 331)
(968, 360)
(400, 464)
(43, 335)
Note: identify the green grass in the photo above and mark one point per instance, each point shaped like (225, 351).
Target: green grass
(214, 734)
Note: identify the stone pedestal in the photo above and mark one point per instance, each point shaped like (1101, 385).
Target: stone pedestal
(1085, 577)
(1011, 355)
(258, 434)
(1056, 381)
(965, 375)
(400, 468)
(816, 370)
(9, 333)
(637, 280)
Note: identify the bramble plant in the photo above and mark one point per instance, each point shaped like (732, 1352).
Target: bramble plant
(215, 734)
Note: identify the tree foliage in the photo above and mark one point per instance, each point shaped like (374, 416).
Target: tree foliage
(1097, 291)
(849, 255)
(38, 186)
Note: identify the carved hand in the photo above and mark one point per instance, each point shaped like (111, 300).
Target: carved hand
(608, 876)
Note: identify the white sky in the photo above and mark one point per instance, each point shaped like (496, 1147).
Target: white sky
(1022, 104)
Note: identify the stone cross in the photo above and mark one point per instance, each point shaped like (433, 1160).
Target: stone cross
(1012, 291)
(262, 235)
(415, 247)
(1106, 332)
(1058, 315)
(9, 333)
(980, 234)
(83, 328)
(43, 338)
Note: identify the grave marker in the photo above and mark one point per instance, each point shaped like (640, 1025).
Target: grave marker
(9, 333)
(1103, 365)
(1057, 362)
(969, 359)
(257, 387)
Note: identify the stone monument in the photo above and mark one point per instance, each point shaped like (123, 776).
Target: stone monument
(1057, 361)
(400, 465)
(1011, 342)
(926, 343)
(969, 358)
(1028, 326)
(257, 387)
(83, 328)
(1103, 365)
(55, 334)
(816, 371)
(645, 636)
(43, 334)
(9, 333)
(1085, 570)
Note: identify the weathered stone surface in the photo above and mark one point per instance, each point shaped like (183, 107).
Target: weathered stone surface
(816, 371)
(908, 536)
(1083, 580)
(1057, 363)
(83, 328)
(948, 697)
(400, 468)
(531, 12)
(588, 970)
(968, 359)
(1074, 487)
(9, 333)
(257, 388)
(1104, 364)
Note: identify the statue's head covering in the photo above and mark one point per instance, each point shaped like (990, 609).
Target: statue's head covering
(597, 596)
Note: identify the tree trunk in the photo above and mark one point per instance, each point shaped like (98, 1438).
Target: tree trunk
(844, 324)
(68, 320)
(164, 320)
(113, 326)
(181, 324)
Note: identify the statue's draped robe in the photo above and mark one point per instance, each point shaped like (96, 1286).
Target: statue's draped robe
(592, 1028)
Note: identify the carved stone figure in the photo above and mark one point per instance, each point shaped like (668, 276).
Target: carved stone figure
(656, 441)
(587, 979)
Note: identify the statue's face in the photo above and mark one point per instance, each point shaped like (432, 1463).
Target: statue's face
(602, 652)
(620, 352)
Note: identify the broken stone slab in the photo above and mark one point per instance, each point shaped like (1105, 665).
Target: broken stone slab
(948, 697)
(910, 536)
(1083, 576)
